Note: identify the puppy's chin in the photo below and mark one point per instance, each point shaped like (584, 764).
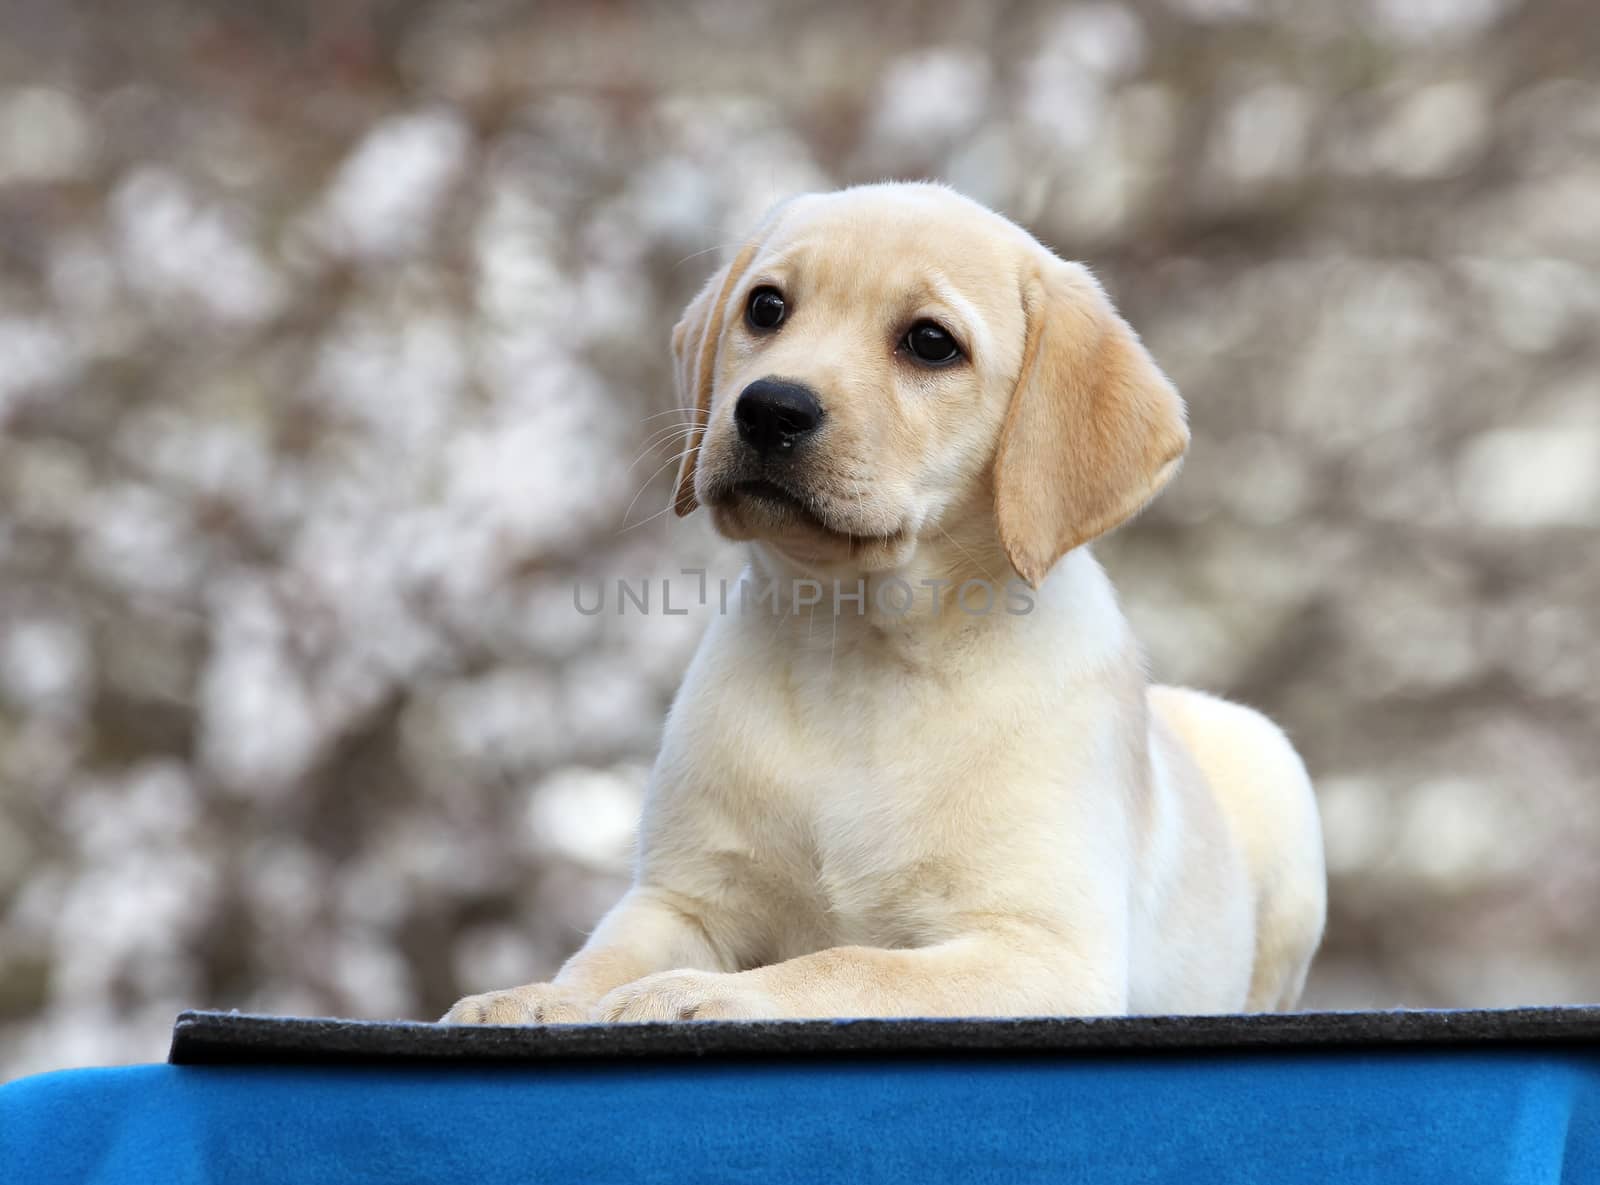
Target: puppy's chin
(800, 535)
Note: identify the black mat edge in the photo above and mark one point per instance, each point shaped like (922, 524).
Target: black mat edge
(231, 1038)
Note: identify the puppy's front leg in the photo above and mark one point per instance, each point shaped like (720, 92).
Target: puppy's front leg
(649, 930)
(1026, 972)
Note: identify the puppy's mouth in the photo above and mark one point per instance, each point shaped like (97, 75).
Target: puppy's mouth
(771, 493)
(783, 503)
(778, 507)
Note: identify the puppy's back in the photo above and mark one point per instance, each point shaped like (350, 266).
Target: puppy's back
(1265, 793)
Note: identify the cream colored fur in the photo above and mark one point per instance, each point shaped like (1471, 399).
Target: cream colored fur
(936, 813)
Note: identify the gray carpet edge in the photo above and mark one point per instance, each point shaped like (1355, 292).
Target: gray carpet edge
(234, 1038)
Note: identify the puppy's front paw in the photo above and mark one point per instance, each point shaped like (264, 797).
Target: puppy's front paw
(534, 1004)
(687, 995)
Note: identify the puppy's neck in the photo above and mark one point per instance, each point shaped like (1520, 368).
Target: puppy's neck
(819, 622)
(957, 583)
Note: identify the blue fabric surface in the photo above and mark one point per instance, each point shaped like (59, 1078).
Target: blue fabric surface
(1412, 1116)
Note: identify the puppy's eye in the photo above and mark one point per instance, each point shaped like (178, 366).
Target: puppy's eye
(766, 309)
(931, 344)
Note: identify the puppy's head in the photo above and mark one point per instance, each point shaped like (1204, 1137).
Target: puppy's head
(875, 361)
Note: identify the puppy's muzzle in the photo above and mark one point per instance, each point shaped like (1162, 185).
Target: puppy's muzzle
(774, 416)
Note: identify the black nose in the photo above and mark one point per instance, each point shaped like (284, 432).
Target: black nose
(773, 416)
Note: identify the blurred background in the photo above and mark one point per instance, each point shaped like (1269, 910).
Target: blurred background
(331, 334)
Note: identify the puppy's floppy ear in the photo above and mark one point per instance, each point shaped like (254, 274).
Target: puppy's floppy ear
(1094, 429)
(694, 354)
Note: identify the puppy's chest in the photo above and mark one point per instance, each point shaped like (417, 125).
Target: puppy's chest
(859, 884)
(838, 802)
(878, 894)
(856, 847)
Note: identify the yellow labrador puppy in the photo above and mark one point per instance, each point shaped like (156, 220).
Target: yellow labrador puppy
(894, 799)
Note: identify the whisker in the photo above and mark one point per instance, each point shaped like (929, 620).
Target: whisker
(782, 613)
(667, 509)
(968, 554)
(833, 647)
(659, 470)
(668, 430)
(715, 247)
(665, 437)
(688, 412)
